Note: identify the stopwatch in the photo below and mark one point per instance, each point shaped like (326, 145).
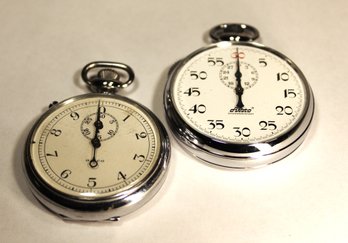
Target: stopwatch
(97, 156)
(237, 103)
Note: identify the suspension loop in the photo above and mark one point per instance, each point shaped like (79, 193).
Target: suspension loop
(105, 77)
(234, 32)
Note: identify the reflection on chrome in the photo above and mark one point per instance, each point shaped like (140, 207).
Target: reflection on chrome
(88, 194)
(264, 147)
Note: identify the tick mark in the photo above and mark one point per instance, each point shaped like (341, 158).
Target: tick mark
(126, 118)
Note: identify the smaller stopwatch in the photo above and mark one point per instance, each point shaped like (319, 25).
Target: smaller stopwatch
(97, 156)
(237, 103)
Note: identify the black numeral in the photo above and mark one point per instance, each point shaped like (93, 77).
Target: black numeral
(194, 91)
(262, 62)
(87, 120)
(216, 124)
(289, 93)
(287, 110)
(121, 176)
(140, 158)
(267, 125)
(56, 132)
(245, 132)
(111, 132)
(198, 108)
(141, 135)
(65, 174)
(218, 61)
(74, 115)
(86, 132)
(112, 121)
(198, 75)
(92, 182)
(282, 76)
(55, 154)
(102, 111)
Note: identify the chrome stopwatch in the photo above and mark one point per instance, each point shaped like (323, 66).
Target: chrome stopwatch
(237, 103)
(97, 156)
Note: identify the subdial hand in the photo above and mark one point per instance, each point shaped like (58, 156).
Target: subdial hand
(239, 89)
(98, 123)
(93, 163)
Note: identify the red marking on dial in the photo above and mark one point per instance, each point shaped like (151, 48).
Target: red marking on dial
(239, 55)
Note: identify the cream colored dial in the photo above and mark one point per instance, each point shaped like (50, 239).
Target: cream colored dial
(75, 156)
(271, 100)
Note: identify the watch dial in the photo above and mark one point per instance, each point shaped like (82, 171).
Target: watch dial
(95, 146)
(239, 93)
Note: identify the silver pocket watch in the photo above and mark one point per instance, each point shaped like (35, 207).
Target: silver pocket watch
(237, 103)
(97, 156)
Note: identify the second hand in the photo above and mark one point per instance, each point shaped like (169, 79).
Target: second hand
(93, 163)
(239, 89)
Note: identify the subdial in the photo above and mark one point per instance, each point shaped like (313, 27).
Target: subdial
(109, 129)
(227, 75)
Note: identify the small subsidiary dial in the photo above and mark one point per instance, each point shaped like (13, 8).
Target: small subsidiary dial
(227, 75)
(109, 126)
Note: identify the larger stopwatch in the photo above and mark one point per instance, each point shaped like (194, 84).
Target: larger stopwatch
(237, 103)
(97, 156)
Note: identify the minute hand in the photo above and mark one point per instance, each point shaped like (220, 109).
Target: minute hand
(239, 89)
(96, 141)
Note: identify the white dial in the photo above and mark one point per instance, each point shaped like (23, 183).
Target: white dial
(95, 147)
(270, 100)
